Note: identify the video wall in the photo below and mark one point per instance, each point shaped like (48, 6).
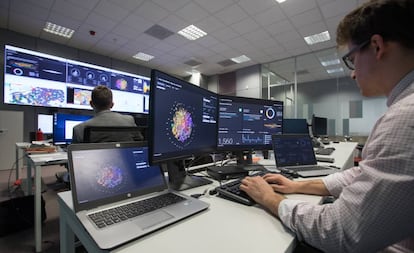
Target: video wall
(38, 79)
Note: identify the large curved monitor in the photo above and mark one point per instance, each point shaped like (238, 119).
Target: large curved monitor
(247, 124)
(183, 121)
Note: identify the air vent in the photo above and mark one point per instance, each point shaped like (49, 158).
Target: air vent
(192, 63)
(302, 72)
(226, 63)
(159, 32)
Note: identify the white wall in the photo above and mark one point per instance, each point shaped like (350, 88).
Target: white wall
(11, 131)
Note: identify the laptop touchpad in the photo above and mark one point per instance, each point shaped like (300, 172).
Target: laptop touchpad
(147, 221)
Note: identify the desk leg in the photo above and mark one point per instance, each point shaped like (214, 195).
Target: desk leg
(66, 235)
(38, 211)
(29, 177)
(17, 162)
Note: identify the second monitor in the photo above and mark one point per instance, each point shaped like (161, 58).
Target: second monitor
(247, 124)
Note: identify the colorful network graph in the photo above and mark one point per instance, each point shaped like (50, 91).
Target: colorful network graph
(109, 178)
(181, 125)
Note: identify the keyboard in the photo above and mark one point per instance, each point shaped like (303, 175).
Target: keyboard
(232, 192)
(121, 213)
(324, 151)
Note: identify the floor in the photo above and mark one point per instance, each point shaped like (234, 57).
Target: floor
(23, 241)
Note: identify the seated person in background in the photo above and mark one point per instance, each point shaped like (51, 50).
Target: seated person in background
(101, 102)
(374, 209)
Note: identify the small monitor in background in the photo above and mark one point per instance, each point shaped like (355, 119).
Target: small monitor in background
(295, 126)
(319, 126)
(63, 124)
(45, 123)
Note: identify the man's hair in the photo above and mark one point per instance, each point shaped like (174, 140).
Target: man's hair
(101, 97)
(392, 19)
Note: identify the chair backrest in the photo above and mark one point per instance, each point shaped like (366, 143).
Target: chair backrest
(113, 134)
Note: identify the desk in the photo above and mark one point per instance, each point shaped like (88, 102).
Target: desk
(37, 161)
(20, 146)
(225, 227)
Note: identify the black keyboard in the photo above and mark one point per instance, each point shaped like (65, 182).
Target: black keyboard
(324, 151)
(117, 214)
(231, 190)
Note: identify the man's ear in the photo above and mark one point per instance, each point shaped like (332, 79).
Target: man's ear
(378, 45)
(112, 105)
(91, 103)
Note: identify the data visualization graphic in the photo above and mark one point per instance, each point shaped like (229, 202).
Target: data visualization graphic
(181, 125)
(109, 178)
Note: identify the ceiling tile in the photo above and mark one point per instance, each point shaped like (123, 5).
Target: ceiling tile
(245, 26)
(269, 16)
(192, 13)
(280, 27)
(130, 5)
(210, 24)
(292, 8)
(231, 14)
(70, 10)
(306, 18)
(254, 7)
(102, 23)
(213, 6)
(111, 10)
(173, 23)
(151, 12)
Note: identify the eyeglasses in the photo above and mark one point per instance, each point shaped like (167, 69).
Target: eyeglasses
(349, 62)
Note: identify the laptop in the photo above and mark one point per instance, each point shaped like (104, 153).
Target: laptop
(295, 152)
(105, 176)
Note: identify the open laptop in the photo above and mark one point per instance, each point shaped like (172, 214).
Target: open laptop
(105, 176)
(295, 152)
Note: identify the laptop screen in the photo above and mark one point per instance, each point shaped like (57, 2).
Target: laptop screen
(109, 172)
(293, 149)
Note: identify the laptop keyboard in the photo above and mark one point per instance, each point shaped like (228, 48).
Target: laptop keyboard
(117, 214)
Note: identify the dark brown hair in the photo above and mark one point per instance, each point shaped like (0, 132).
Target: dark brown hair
(101, 97)
(392, 19)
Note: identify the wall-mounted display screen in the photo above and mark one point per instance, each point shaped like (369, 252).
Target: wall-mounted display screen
(38, 79)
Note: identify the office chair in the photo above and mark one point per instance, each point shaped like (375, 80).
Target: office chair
(96, 134)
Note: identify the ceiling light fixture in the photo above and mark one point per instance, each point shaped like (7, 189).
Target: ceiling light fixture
(58, 30)
(192, 32)
(330, 62)
(240, 59)
(333, 71)
(317, 38)
(143, 57)
(280, 1)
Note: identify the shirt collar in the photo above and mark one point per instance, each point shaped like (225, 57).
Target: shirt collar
(400, 87)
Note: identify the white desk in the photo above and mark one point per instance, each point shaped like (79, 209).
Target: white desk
(37, 161)
(20, 146)
(225, 227)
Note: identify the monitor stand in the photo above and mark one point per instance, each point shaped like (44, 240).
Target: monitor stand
(245, 161)
(179, 180)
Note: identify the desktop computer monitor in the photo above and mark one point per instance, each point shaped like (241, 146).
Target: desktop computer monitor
(182, 124)
(45, 123)
(63, 124)
(247, 124)
(295, 126)
(319, 126)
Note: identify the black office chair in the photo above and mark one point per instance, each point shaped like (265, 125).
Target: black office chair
(96, 134)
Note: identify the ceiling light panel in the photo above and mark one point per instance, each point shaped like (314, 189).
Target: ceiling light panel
(240, 59)
(317, 38)
(192, 32)
(280, 1)
(58, 30)
(333, 71)
(143, 57)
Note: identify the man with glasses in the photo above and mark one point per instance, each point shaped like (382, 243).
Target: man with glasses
(374, 209)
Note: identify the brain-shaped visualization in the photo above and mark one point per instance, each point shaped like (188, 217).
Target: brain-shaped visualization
(182, 125)
(109, 177)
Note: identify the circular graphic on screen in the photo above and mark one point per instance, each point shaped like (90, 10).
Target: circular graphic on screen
(121, 84)
(270, 113)
(109, 178)
(181, 125)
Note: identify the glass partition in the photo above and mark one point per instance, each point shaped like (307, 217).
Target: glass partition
(319, 84)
